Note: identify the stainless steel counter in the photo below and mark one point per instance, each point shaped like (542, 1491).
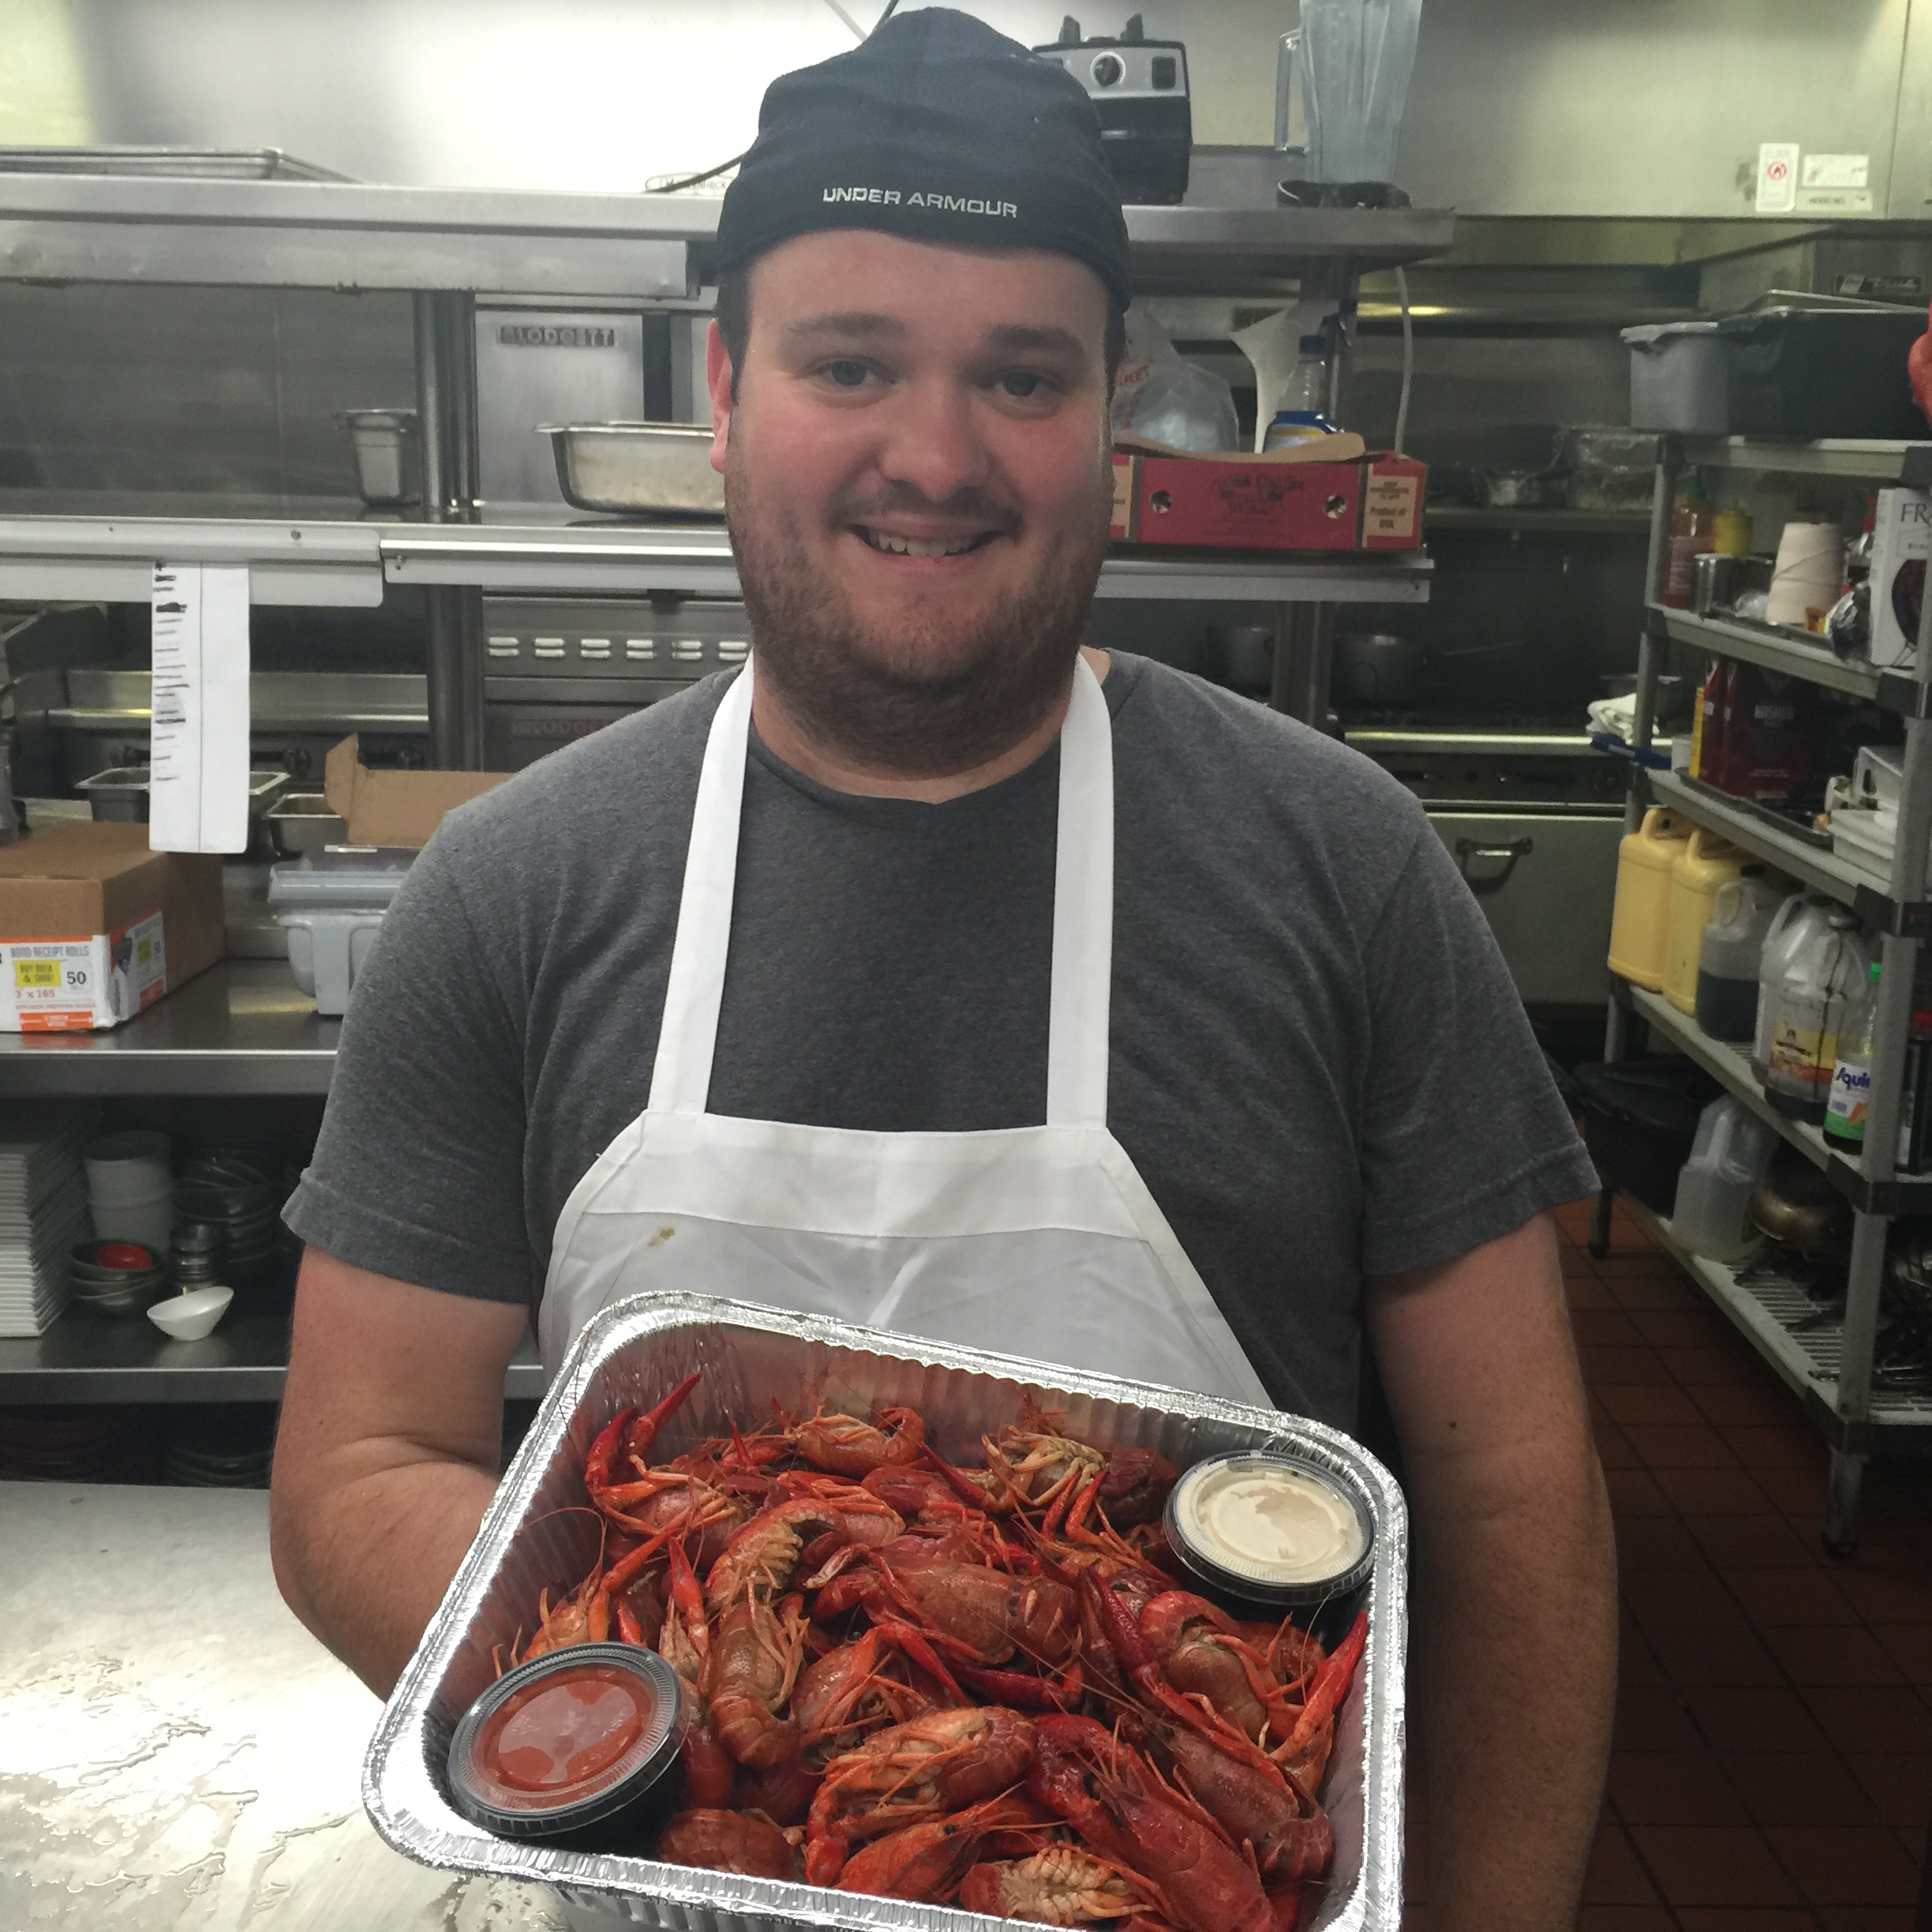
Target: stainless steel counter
(244, 1026)
(175, 1750)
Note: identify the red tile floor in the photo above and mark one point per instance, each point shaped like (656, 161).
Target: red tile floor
(1772, 1769)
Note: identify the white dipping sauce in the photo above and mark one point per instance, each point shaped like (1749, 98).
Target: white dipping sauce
(1268, 1517)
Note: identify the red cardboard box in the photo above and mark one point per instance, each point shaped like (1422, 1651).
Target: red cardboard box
(1326, 495)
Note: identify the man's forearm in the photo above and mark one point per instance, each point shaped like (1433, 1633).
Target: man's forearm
(1515, 1624)
(364, 1560)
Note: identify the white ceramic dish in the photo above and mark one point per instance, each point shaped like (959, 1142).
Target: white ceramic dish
(188, 1317)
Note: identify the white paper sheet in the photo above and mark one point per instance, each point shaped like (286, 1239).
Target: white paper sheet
(199, 741)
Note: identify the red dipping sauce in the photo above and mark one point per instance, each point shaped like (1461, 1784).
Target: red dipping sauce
(564, 1739)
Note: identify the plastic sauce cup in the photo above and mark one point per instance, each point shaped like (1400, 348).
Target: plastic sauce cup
(1271, 1528)
(579, 1746)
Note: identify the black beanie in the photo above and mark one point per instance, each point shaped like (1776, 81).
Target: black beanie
(939, 129)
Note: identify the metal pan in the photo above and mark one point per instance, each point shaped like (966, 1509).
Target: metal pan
(537, 1533)
(637, 468)
(122, 794)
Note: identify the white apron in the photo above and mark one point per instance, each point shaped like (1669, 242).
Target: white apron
(1036, 1241)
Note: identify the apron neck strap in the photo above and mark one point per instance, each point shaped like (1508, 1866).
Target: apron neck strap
(1082, 936)
(1083, 940)
(681, 1079)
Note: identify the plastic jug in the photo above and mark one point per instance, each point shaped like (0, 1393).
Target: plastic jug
(1813, 958)
(1357, 57)
(1728, 1158)
(1728, 951)
(1640, 918)
(1705, 862)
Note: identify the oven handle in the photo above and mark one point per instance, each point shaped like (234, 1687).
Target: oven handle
(1467, 849)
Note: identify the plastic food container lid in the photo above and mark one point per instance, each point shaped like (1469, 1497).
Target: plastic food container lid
(1273, 1526)
(567, 1740)
(1648, 334)
(343, 876)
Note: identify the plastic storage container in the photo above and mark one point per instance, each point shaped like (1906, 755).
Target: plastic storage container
(1823, 371)
(1729, 1157)
(1813, 958)
(1706, 864)
(1640, 918)
(1680, 377)
(332, 904)
(1729, 949)
(1640, 1122)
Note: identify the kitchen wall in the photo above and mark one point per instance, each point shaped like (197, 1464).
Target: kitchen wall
(233, 391)
(1519, 107)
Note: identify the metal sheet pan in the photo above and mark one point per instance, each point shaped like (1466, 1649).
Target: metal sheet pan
(637, 468)
(536, 1533)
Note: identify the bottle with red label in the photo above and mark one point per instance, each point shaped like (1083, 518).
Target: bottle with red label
(1693, 522)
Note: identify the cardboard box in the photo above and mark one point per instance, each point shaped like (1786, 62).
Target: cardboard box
(94, 927)
(395, 807)
(1901, 540)
(1327, 494)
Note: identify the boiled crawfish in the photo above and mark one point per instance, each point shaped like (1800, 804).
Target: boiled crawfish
(910, 1774)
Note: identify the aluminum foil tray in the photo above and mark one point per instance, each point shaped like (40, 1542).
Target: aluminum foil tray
(536, 1533)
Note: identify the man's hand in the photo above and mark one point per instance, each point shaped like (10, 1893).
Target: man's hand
(391, 1427)
(1513, 1586)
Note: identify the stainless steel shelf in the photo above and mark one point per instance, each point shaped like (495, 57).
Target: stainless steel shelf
(243, 1027)
(1233, 235)
(348, 235)
(1803, 1344)
(1817, 663)
(1237, 577)
(86, 1358)
(1730, 1068)
(521, 548)
(505, 553)
(1823, 870)
(278, 700)
(110, 558)
(1836, 456)
(1381, 741)
(1538, 522)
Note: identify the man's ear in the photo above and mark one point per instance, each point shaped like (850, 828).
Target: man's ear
(718, 380)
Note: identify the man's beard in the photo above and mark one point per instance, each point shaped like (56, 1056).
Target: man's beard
(928, 701)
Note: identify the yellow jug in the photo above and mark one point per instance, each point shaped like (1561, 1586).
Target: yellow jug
(1705, 862)
(1640, 919)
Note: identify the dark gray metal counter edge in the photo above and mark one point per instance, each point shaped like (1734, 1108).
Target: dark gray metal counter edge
(255, 1382)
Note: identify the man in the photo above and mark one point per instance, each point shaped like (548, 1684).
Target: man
(1182, 1004)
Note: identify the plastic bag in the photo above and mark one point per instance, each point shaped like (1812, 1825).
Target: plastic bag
(1160, 394)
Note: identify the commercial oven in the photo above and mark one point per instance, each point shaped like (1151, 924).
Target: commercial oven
(1533, 819)
(555, 670)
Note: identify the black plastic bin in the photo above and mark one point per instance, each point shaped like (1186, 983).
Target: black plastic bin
(1823, 372)
(1639, 1118)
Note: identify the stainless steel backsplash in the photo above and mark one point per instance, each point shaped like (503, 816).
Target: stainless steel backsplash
(232, 391)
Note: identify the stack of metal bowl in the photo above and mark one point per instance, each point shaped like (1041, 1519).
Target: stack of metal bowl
(115, 1277)
(239, 1192)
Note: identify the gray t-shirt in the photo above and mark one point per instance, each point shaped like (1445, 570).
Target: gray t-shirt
(1319, 1064)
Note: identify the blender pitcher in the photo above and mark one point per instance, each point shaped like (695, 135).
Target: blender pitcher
(1354, 59)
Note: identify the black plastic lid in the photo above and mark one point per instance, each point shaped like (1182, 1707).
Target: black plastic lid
(527, 1812)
